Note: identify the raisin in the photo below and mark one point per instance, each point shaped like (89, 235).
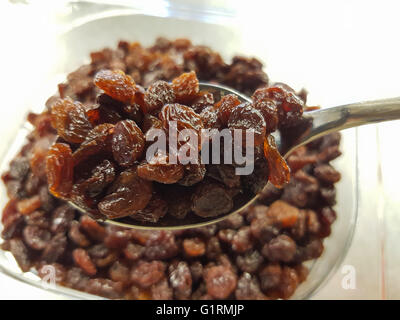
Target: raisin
(151, 122)
(154, 211)
(55, 248)
(267, 107)
(281, 248)
(264, 229)
(83, 261)
(250, 261)
(279, 172)
(249, 120)
(203, 100)
(283, 213)
(210, 200)
(97, 141)
(194, 173)
(160, 170)
(157, 95)
(19, 168)
(38, 158)
(21, 254)
(225, 107)
(288, 284)
(186, 87)
(35, 237)
(234, 221)
(256, 181)
(210, 119)
(128, 194)
(161, 245)
(29, 205)
(60, 170)
(101, 176)
(119, 272)
(70, 120)
(248, 288)
(194, 247)
(127, 142)
(76, 235)
(224, 173)
(133, 251)
(213, 248)
(105, 288)
(102, 256)
(46, 199)
(196, 271)
(38, 218)
(92, 228)
(61, 218)
(145, 274)
(161, 290)
(270, 276)
(77, 279)
(180, 279)
(242, 240)
(326, 173)
(116, 84)
(184, 117)
(226, 235)
(290, 107)
(220, 281)
(116, 237)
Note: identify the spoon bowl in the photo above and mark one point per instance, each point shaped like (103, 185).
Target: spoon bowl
(313, 125)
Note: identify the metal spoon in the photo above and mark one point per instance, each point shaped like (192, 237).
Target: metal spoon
(314, 125)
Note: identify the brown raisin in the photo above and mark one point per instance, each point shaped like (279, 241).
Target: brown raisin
(116, 84)
(60, 170)
(186, 87)
(157, 95)
(70, 120)
(127, 142)
(128, 194)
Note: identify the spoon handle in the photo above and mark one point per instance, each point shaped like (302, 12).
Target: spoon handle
(351, 115)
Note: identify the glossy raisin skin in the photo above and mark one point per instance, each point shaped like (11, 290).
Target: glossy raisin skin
(157, 95)
(246, 118)
(127, 142)
(158, 169)
(210, 200)
(60, 170)
(128, 194)
(116, 84)
(186, 87)
(70, 120)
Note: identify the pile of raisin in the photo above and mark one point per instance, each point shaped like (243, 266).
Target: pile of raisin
(257, 254)
(99, 161)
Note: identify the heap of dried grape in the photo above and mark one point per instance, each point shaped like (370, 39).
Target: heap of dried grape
(258, 254)
(101, 164)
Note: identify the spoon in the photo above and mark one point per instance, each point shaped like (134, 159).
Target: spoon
(313, 125)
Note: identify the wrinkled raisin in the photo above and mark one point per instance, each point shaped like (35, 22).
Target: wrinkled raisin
(186, 87)
(220, 282)
(127, 194)
(211, 199)
(127, 142)
(70, 120)
(116, 84)
(59, 168)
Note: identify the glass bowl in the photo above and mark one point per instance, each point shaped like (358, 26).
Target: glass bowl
(103, 26)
